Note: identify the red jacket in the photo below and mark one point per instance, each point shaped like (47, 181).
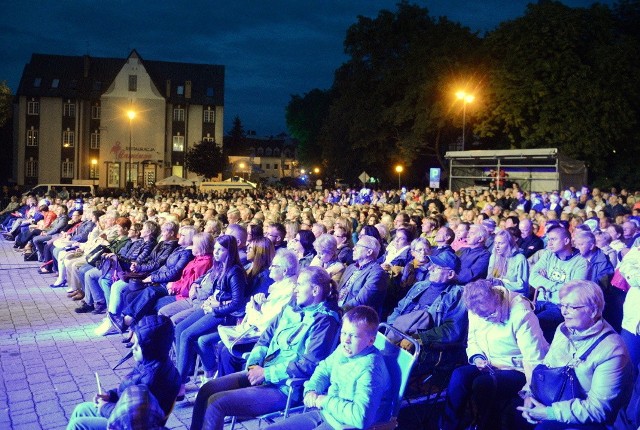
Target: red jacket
(196, 268)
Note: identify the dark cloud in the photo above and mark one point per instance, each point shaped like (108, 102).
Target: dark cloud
(271, 50)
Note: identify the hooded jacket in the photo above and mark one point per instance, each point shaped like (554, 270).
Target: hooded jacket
(155, 370)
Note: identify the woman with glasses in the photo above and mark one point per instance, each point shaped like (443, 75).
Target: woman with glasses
(344, 241)
(505, 343)
(292, 346)
(606, 374)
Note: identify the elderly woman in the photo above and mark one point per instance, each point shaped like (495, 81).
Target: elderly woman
(606, 374)
(505, 343)
(507, 266)
(326, 247)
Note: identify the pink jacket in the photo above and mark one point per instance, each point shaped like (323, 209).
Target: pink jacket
(196, 268)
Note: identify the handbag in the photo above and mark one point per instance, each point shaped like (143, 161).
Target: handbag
(619, 281)
(95, 256)
(554, 384)
(410, 323)
(238, 335)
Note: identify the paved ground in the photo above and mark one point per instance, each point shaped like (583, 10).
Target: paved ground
(48, 353)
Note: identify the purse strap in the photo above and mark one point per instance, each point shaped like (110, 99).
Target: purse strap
(596, 343)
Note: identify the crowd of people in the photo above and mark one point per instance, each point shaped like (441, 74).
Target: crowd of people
(272, 284)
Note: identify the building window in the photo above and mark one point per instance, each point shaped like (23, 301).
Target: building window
(33, 108)
(178, 114)
(178, 143)
(95, 112)
(67, 169)
(268, 166)
(275, 166)
(31, 168)
(37, 82)
(208, 138)
(55, 83)
(70, 110)
(68, 139)
(180, 90)
(32, 137)
(285, 167)
(133, 82)
(95, 140)
(209, 116)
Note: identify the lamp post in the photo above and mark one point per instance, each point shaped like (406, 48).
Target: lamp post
(131, 114)
(94, 166)
(399, 169)
(466, 98)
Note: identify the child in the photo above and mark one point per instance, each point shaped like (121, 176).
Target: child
(152, 340)
(350, 387)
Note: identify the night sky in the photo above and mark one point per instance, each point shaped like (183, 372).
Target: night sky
(271, 49)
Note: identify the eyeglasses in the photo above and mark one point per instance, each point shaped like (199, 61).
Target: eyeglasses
(573, 308)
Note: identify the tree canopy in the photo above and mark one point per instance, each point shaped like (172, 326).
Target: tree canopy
(557, 77)
(205, 159)
(5, 103)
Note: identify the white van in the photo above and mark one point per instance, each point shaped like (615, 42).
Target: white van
(73, 189)
(229, 185)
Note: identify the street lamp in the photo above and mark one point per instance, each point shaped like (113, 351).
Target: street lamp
(94, 166)
(399, 169)
(466, 98)
(242, 166)
(131, 114)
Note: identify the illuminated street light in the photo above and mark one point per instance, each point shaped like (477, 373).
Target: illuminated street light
(131, 114)
(94, 166)
(316, 170)
(466, 98)
(399, 169)
(242, 166)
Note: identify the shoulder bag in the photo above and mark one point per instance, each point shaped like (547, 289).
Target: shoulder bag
(554, 384)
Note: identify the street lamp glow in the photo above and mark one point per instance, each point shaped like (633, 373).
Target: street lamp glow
(316, 170)
(399, 169)
(241, 165)
(466, 98)
(131, 114)
(302, 171)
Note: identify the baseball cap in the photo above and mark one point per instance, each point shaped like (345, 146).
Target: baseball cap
(446, 259)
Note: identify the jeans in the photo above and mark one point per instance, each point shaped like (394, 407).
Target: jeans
(177, 310)
(232, 395)
(207, 349)
(550, 317)
(85, 417)
(115, 296)
(187, 333)
(487, 392)
(312, 420)
(144, 304)
(38, 243)
(92, 286)
(633, 345)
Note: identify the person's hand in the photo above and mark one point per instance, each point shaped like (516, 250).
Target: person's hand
(407, 345)
(133, 266)
(481, 363)
(192, 290)
(386, 267)
(310, 399)
(170, 289)
(147, 280)
(100, 400)
(256, 375)
(533, 411)
(259, 299)
(320, 401)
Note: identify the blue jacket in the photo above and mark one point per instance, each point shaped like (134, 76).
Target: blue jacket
(82, 232)
(229, 290)
(473, 264)
(600, 269)
(172, 269)
(295, 342)
(357, 388)
(368, 286)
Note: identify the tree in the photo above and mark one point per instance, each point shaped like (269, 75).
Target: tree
(205, 159)
(567, 78)
(305, 115)
(389, 102)
(237, 136)
(5, 103)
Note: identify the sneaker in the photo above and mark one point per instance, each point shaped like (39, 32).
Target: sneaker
(84, 308)
(105, 328)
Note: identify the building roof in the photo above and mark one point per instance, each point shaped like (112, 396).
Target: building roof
(88, 77)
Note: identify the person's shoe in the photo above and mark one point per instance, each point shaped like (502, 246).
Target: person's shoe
(84, 308)
(78, 296)
(117, 321)
(71, 292)
(105, 328)
(100, 308)
(54, 285)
